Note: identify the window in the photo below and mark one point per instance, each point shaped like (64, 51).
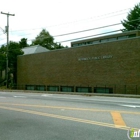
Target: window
(89, 42)
(84, 43)
(122, 37)
(103, 90)
(112, 39)
(40, 87)
(96, 41)
(84, 89)
(104, 40)
(30, 87)
(67, 88)
(74, 45)
(132, 35)
(53, 88)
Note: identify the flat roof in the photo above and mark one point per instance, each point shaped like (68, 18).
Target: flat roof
(137, 32)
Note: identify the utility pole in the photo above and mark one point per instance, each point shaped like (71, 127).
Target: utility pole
(7, 31)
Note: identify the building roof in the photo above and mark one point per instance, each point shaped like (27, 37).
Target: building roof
(34, 49)
(108, 38)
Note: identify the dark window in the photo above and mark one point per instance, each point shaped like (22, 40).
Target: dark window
(74, 45)
(103, 90)
(30, 87)
(40, 87)
(84, 89)
(53, 88)
(122, 37)
(132, 35)
(67, 88)
(104, 40)
(112, 39)
(84, 43)
(96, 41)
(80, 44)
(89, 42)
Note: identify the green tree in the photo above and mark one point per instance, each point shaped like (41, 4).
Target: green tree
(2, 58)
(14, 51)
(23, 43)
(44, 39)
(2, 61)
(132, 21)
(57, 46)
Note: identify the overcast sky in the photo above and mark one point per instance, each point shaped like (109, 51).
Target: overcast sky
(61, 16)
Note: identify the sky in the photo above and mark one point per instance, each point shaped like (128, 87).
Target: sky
(61, 17)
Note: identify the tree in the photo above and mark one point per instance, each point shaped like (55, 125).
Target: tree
(44, 39)
(23, 43)
(2, 58)
(14, 51)
(2, 61)
(132, 21)
(57, 46)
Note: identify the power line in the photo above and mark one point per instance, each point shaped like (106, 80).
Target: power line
(90, 29)
(86, 36)
(42, 28)
(77, 38)
(73, 21)
(81, 30)
(83, 37)
(86, 29)
(73, 32)
(90, 36)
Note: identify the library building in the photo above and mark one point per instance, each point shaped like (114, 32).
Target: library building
(107, 64)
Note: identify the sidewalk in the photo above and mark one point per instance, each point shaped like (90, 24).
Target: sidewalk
(74, 93)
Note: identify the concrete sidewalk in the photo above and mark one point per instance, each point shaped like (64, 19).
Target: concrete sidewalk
(74, 93)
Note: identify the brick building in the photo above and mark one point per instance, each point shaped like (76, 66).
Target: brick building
(109, 64)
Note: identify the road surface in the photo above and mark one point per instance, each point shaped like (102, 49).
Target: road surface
(36, 116)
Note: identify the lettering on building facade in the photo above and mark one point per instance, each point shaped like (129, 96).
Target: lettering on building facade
(95, 58)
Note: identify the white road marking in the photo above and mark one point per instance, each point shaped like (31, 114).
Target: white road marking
(133, 106)
(19, 96)
(46, 95)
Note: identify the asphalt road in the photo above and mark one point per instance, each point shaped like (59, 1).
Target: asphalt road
(36, 116)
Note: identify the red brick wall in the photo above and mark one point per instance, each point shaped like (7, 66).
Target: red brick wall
(62, 67)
